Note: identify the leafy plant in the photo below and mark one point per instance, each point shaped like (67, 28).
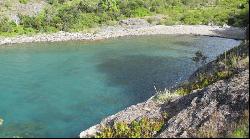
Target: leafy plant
(144, 128)
(241, 132)
(24, 1)
(182, 91)
(140, 12)
(242, 128)
(78, 15)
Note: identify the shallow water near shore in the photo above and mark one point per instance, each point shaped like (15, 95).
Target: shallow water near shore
(60, 89)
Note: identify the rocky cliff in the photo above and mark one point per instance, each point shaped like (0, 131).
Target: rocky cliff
(214, 108)
(213, 111)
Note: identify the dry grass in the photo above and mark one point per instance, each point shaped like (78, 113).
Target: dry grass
(165, 96)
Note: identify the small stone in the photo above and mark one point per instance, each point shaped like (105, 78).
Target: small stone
(184, 135)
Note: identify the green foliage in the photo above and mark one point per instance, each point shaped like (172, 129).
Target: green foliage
(231, 12)
(24, 1)
(242, 127)
(205, 80)
(108, 6)
(78, 15)
(144, 128)
(202, 81)
(241, 132)
(6, 25)
(223, 74)
(85, 21)
(140, 12)
(182, 91)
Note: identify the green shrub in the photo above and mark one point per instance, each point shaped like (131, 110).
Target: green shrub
(67, 15)
(241, 132)
(6, 25)
(85, 21)
(182, 91)
(220, 75)
(233, 61)
(144, 128)
(203, 80)
(140, 12)
(242, 127)
(52, 1)
(24, 1)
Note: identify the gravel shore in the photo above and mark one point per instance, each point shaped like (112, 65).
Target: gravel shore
(131, 30)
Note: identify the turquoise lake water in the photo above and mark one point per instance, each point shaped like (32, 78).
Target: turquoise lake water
(60, 89)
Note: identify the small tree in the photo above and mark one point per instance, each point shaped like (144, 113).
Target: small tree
(199, 58)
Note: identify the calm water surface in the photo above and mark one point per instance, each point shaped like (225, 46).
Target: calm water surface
(59, 89)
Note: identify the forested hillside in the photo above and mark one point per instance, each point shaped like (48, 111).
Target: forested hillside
(20, 17)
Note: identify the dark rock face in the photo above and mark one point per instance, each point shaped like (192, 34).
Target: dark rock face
(247, 32)
(209, 109)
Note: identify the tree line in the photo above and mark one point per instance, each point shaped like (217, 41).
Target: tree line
(78, 15)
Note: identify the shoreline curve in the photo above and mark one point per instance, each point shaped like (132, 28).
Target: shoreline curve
(130, 30)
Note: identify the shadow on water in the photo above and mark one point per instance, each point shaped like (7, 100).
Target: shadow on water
(138, 74)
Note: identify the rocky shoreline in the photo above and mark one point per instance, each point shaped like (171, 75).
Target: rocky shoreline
(220, 105)
(188, 113)
(125, 29)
